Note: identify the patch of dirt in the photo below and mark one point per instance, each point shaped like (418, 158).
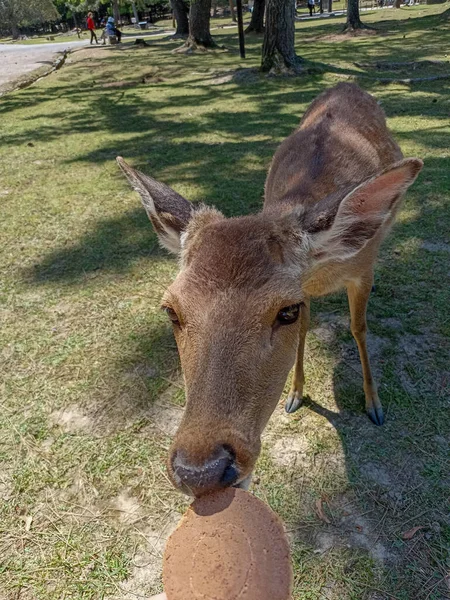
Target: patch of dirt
(342, 37)
(325, 333)
(416, 364)
(391, 323)
(436, 246)
(62, 308)
(335, 320)
(71, 420)
(126, 508)
(234, 76)
(81, 495)
(376, 346)
(290, 451)
(330, 590)
(350, 529)
(119, 84)
(6, 485)
(408, 66)
(166, 417)
(144, 370)
(47, 444)
(91, 53)
(377, 473)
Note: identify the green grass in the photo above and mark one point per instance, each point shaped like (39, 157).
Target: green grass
(91, 387)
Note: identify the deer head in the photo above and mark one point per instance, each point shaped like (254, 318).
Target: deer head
(234, 308)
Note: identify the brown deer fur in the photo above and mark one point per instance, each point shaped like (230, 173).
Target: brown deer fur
(332, 192)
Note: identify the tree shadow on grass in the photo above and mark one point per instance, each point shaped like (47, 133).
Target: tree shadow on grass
(113, 245)
(144, 385)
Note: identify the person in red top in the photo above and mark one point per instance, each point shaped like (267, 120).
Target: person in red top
(91, 27)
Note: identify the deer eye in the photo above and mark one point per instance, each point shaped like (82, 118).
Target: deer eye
(288, 314)
(172, 315)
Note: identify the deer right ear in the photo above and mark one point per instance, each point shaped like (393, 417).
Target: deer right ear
(342, 227)
(169, 212)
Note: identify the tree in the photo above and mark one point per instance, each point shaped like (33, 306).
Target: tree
(199, 34)
(21, 13)
(180, 11)
(278, 52)
(233, 14)
(353, 19)
(116, 11)
(257, 21)
(135, 14)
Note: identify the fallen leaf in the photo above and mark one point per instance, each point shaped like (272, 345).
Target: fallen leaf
(320, 512)
(408, 535)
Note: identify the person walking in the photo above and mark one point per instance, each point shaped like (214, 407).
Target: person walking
(311, 7)
(91, 26)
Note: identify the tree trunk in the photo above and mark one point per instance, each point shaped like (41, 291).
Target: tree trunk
(180, 10)
(353, 19)
(116, 12)
(76, 24)
(135, 14)
(278, 51)
(14, 31)
(257, 20)
(397, 3)
(233, 14)
(199, 34)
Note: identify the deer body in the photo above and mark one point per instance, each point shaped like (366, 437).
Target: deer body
(342, 140)
(240, 304)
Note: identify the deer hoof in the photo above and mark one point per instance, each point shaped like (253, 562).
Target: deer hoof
(376, 414)
(293, 402)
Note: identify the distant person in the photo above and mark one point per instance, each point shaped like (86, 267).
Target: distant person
(311, 7)
(111, 29)
(91, 26)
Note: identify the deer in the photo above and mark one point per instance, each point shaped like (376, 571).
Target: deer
(240, 303)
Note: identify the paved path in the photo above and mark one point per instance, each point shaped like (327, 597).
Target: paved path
(18, 59)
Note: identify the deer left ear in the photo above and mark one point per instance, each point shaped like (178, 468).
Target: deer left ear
(169, 212)
(361, 213)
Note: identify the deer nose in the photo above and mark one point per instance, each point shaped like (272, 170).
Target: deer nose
(217, 472)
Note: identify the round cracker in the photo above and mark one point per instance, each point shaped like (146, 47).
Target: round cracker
(228, 546)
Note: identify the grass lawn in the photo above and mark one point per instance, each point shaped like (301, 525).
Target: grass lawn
(91, 391)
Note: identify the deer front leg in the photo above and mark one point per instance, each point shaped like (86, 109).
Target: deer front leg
(358, 297)
(295, 397)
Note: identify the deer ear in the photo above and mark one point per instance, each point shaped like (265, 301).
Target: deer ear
(168, 211)
(361, 213)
